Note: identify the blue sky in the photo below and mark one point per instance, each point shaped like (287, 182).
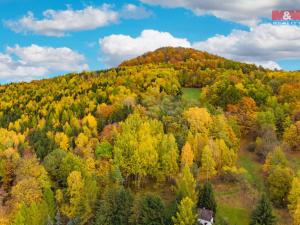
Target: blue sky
(45, 38)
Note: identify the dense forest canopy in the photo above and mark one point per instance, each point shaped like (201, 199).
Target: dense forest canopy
(148, 142)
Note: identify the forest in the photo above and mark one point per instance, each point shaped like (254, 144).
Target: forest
(151, 141)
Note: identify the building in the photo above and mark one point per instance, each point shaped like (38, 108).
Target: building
(205, 217)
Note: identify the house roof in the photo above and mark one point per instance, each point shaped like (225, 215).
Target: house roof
(205, 214)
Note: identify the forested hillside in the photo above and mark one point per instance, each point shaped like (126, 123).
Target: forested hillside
(150, 141)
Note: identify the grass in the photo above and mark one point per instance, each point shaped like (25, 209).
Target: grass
(234, 203)
(191, 94)
(234, 216)
(253, 168)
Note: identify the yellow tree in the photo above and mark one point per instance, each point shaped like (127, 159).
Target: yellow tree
(208, 163)
(186, 213)
(168, 157)
(197, 142)
(75, 193)
(199, 119)
(226, 157)
(292, 136)
(136, 147)
(296, 214)
(294, 195)
(187, 155)
(91, 122)
(62, 140)
(186, 184)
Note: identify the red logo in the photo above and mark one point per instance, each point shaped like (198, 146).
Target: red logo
(286, 15)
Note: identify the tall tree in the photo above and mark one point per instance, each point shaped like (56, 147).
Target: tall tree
(149, 210)
(208, 163)
(186, 213)
(186, 185)
(279, 184)
(263, 214)
(207, 198)
(296, 215)
(187, 155)
(199, 119)
(115, 207)
(294, 195)
(75, 191)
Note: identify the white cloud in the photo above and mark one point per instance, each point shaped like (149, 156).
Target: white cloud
(27, 63)
(131, 11)
(116, 48)
(248, 12)
(262, 45)
(58, 23)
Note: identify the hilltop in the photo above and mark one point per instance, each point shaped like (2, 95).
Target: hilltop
(185, 57)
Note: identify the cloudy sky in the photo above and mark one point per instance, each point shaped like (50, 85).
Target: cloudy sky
(45, 38)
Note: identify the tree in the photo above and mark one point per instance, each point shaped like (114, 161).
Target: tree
(207, 163)
(267, 141)
(91, 123)
(186, 185)
(225, 156)
(207, 198)
(199, 119)
(275, 158)
(75, 191)
(168, 156)
(135, 150)
(149, 210)
(186, 213)
(187, 155)
(263, 214)
(294, 195)
(279, 184)
(115, 207)
(81, 193)
(62, 141)
(244, 112)
(104, 150)
(296, 215)
(292, 136)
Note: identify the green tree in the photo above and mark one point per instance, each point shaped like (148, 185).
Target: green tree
(186, 185)
(207, 198)
(115, 207)
(149, 210)
(263, 214)
(279, 184)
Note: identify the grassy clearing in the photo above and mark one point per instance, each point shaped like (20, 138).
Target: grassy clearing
(234, 216)
(235, 203)
(253, 168)
(191, 94)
